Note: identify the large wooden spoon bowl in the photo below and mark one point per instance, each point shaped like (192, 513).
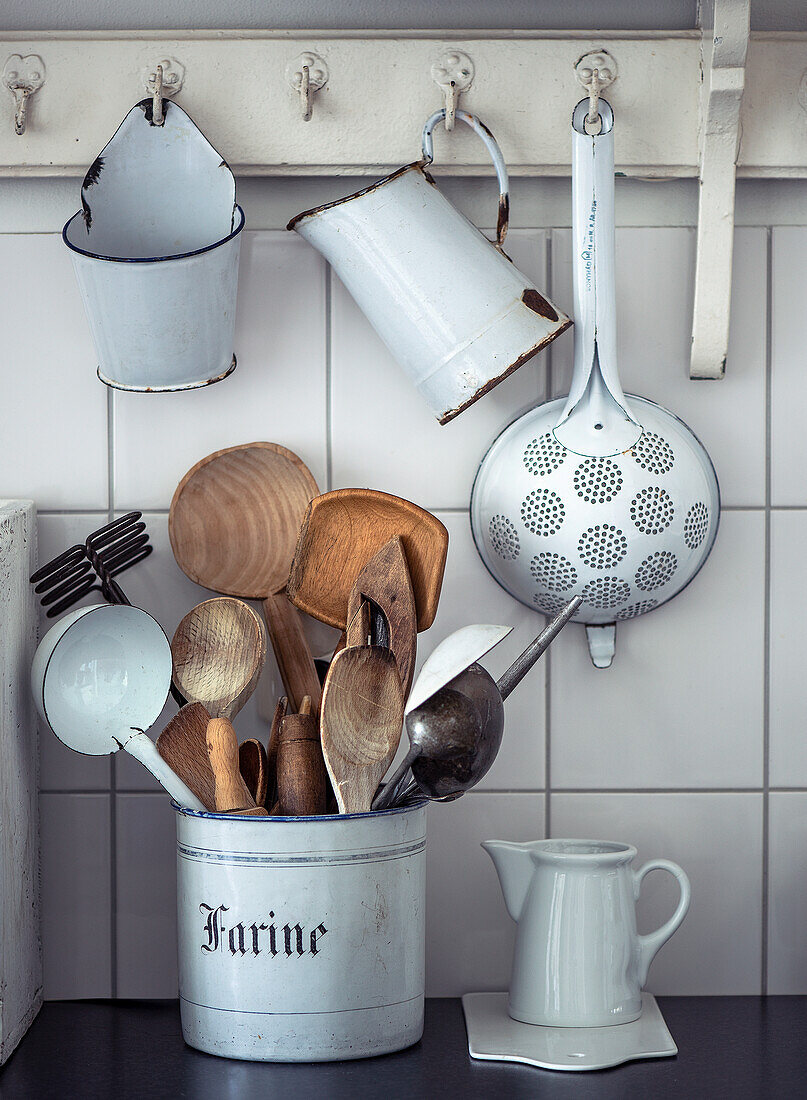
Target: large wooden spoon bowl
(233, 525)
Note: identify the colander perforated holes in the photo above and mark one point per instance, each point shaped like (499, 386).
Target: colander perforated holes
(544, 455)
(542, 512)
(652, 510)
(606, 592)
(504, 538)
(696, 525)
(553, 571)
(602, 546)
(597, 480)
(653, 453)
(656, 570)
(550, 605)
(636, 609)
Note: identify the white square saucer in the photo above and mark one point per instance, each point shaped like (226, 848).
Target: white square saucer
(494, 1036)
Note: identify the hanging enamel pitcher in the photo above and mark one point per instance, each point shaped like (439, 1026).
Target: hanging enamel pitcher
(599, 494)
(155, 249)
(449, 304)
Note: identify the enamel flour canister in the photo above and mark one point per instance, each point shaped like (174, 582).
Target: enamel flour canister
(301, 939)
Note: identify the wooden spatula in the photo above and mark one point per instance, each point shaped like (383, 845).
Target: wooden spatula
(362, 717)
(302, 782)
(343, 530)
(385, 580)
(231, 793)
(233, 525)
(183, 746)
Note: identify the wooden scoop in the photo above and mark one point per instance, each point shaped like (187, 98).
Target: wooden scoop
(385, 580)
(233, 525)
(231, 793)
(252, 765)
(362, 718)
(271, 749)
(343, 530)
(183, 746)
(302, 782)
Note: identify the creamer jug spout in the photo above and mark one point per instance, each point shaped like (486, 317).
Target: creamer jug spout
(514, 865)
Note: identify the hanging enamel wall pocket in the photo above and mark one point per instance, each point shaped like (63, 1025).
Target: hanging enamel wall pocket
(155, 248)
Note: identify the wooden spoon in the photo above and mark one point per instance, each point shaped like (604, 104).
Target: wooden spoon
(343, 530)
(233, 525)
(302, 782)
(385, 580)
(254, 772)
(183, 746)
(218, 651)
(362, 718)
(232, 795)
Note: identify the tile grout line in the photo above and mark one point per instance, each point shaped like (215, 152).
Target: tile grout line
(113, 775)
(548, 382)
(766, 687)
(452, 509)
(328, 380)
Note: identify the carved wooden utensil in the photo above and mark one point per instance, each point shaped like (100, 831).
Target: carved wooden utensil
(343, 530)
(183, 746)
(362, 718)
(302, 781)
(231, 793)
(233, 525)
(218, 651)
(271, 750)
(385, 580)
(254, 772)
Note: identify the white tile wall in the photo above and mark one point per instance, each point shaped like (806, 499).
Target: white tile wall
(717, 839)
(676, 748)
(787, 941)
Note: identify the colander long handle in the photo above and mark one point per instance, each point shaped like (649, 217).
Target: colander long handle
(596, 400)
(522, 665)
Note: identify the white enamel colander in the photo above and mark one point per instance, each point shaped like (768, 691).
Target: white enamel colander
(599, 494)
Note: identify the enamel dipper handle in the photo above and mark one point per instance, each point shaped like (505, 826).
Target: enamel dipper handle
(522, 665)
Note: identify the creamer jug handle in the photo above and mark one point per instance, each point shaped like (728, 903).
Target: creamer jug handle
(650, 944)
(427, 143)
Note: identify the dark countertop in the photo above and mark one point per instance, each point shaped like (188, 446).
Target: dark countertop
(729, 1047)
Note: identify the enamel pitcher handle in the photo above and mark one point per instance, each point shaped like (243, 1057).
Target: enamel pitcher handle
(496, 156)
(650, 944)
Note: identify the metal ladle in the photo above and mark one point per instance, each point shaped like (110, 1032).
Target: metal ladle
(455, 734)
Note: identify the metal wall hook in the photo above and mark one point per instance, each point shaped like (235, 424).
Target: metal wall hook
(23, 76)
(307, 74)
(453, 74)
(157, 118)
(595, 71)
(163, 82)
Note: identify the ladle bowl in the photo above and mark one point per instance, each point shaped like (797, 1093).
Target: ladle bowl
(99, 673)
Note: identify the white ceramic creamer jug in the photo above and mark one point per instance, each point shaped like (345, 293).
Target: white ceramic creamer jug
(449, 304)
(579, 961)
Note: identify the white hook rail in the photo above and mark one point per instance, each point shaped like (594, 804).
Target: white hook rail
(724, 61)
